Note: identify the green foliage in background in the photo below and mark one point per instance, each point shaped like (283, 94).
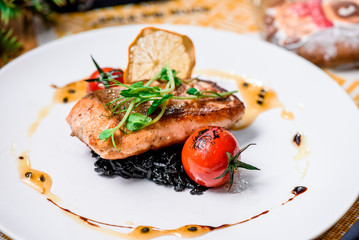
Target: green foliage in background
(13, 9)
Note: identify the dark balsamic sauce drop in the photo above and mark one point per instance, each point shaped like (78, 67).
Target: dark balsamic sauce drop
(299, 190)
(297, 139)
(296, 191)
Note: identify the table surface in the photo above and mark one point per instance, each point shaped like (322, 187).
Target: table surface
(229, 15)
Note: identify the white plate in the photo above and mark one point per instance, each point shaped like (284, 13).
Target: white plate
(322, 111)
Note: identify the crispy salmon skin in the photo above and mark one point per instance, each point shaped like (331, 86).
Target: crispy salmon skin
(89, 117)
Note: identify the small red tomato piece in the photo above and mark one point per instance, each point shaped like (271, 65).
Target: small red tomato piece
(92, 86)
(204, 155)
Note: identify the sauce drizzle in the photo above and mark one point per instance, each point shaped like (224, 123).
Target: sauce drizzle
(42, 182)
(256, 96)
(40, 116)
(87, 220)
(149, 232)
(69, 93)
(296, 191)
(186, 231)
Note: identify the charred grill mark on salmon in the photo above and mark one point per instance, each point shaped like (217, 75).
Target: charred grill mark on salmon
(89, 118)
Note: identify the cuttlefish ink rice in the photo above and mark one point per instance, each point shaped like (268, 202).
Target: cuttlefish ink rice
(163, 167)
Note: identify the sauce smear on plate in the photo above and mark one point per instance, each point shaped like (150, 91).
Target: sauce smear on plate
(257, 97)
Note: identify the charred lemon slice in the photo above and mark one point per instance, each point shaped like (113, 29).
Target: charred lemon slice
(152, 48)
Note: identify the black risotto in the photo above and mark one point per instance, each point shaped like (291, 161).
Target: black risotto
(163, 167)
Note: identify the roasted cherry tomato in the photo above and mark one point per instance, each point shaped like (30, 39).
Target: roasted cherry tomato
(211, 155)
(92, 86)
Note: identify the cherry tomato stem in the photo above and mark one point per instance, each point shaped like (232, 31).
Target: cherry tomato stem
(107, 72)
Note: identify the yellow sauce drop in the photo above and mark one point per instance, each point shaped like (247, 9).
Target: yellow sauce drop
(70, 93)
(287, 115)
(38, 180)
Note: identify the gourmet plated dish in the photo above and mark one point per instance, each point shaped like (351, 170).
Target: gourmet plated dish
(168, 124)
(124, 116)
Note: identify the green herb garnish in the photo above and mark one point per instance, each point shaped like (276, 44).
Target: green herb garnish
(139, 93)
(106, 78)
(234, 164)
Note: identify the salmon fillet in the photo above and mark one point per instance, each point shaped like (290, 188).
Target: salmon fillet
(88, 118)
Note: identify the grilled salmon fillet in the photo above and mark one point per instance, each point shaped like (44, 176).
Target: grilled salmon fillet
(88, 118)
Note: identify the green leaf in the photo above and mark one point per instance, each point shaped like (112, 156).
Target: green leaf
(192, 91)
(164, 76)
(177, 80)
(97, 66)
(127, 93)
(60, 3)
(9, 10)
(141, 92)
(137, 121)
(246, 166)
(224, 173)
(105, 134)
(104, 77)
(157, 103)
(9, 44)
(137, 84)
